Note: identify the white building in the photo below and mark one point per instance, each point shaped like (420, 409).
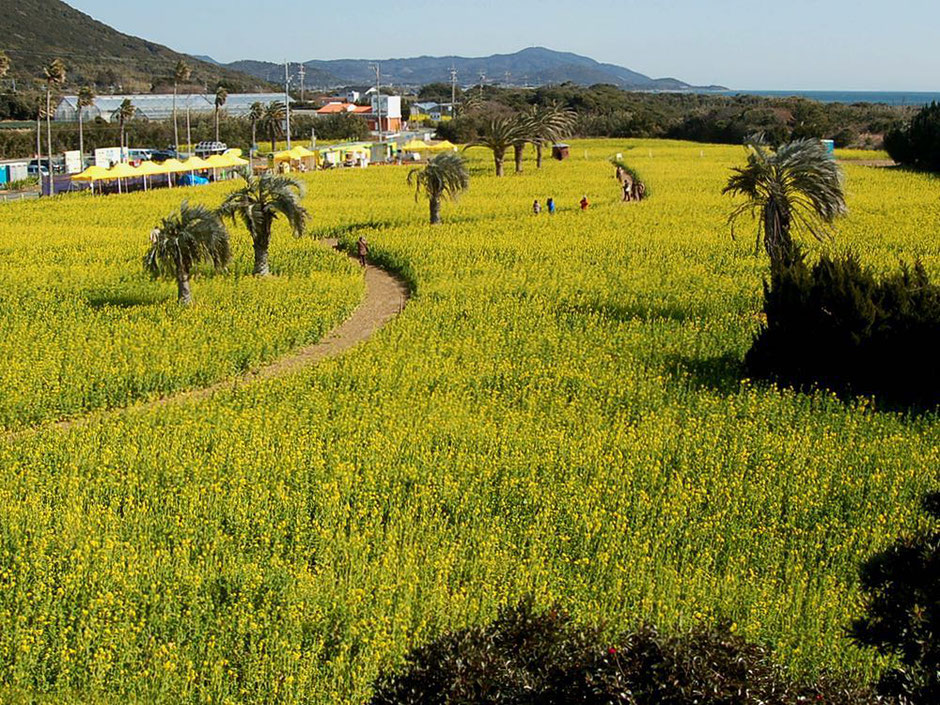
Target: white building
(151, 106)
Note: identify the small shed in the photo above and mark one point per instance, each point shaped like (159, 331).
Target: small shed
(17, 172)
(560, 152)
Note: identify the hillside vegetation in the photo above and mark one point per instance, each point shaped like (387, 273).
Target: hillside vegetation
(33, 32)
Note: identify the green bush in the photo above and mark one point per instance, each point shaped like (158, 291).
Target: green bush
(527, 657)
(837, 326)
(918, 144)
(903, 613)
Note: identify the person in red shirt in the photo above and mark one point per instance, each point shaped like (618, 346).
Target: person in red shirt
(584, 203)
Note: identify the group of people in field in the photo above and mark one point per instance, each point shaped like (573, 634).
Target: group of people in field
(633, 189)
(550, 205)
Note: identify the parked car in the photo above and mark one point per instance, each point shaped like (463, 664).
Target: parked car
(161, 155)
(140, 155)
(207, 149)
(37, 165)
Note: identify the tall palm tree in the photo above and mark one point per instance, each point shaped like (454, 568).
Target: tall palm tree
(799, 185)
(499, 135)
(221, 95)
(255, 115)
(181, 74)
(86, 98)
(259, 203)
(547, 125)
(125, 112)
(273, 121)
(183, 239)
(54, 76)
(445, 176)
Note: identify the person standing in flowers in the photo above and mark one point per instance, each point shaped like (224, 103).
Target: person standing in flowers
(551, 206)
(536, 207)
(363, 248)
(585, 203)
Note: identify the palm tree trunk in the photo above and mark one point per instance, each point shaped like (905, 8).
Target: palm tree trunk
(273, 140)
(184, 293)
(435, 204)
(261, 257)
(49, 136)
(216, 124)
(176, 127)
(538, 155)
(518, 150)
(498, 158)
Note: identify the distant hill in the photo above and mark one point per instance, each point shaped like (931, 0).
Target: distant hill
(33, 32)
(533, 66)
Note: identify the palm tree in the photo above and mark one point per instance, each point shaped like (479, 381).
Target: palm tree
(259, 203)
(86, 98)
(547, 125)
(799, 184)
(181, 74)
(255, 115)
(444, 176)
(221, 95)
(183, 239)
(54, 75)
(500, 134)
(273, 121)
(125, 112)
(523, 137)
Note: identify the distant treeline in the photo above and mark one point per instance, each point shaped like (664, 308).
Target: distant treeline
(607, 111)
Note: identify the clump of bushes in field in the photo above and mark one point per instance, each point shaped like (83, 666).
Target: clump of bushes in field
(903, 612)
(918, 144)
(527, 657)
(837, 325)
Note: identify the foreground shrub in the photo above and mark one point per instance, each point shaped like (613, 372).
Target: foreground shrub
(918, 144)
(903, 613)
(838, 326)
(527, 658)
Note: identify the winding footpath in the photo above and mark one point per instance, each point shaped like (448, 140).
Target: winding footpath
(385, 297)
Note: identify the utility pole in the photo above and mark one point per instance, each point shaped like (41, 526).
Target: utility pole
(287, 99)
(453, 91)
(302, 71)
(189, 132)
(378, 97)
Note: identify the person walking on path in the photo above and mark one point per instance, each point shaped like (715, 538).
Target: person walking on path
(363, 247)
(584, 203)
(551, 206)
(536, 207)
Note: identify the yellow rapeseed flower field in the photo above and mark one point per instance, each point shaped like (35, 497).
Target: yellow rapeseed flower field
(559, 411)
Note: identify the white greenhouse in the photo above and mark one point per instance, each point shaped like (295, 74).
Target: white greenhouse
(160, 106)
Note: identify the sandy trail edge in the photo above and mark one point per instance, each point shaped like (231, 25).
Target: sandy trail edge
(385, 297)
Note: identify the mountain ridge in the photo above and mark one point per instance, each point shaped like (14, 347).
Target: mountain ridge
(532, 65)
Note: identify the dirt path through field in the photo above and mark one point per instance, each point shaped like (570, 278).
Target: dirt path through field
(385, 297)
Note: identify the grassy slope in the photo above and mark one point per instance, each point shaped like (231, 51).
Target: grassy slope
(558, 411)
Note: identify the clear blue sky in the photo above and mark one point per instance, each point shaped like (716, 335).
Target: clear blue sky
(754, 44)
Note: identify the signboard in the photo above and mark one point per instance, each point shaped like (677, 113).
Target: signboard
(73, 162)
(108, 156)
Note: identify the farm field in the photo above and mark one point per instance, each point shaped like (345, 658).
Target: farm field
(559, 411)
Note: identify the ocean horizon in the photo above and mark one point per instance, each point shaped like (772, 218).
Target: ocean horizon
(899, 98)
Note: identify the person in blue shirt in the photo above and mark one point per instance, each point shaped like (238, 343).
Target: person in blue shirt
(551, 206)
